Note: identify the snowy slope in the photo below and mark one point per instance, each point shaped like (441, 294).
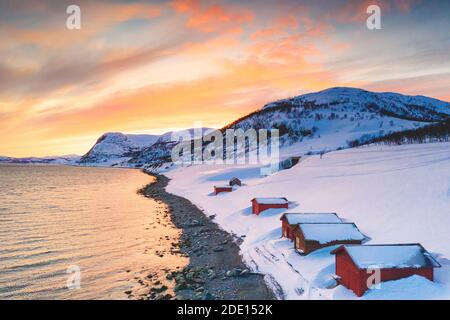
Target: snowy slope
(395, 194)
(341, 117)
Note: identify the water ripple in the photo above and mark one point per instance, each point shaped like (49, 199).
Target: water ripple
(54, 217)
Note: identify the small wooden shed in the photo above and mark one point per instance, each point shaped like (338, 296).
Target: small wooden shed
(313, 236)
(290, 219)
(235, 182)
(261, 204)
(355, 264)
(225, 188)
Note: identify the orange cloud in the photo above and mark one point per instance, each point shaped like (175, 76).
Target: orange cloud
(435, 86)
(280, 26)
(207, 17)
(215, 100)
(227, 39)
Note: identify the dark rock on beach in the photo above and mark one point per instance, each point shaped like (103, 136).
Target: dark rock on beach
(215, 269)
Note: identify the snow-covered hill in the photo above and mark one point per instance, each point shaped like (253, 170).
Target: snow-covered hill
(394, 194)
(411, 107)
(116, 149)
(337, 117)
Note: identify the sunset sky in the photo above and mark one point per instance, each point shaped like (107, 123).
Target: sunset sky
(155, 66)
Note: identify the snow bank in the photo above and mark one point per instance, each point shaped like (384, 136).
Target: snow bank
(395, 194)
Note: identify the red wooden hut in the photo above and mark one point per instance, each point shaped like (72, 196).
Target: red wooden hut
(355, 264)
(219, 189)
(290, 219)
(261, 204)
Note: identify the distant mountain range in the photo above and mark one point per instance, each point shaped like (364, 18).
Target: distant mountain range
(117, 149)
(62, 160)
(316, 122)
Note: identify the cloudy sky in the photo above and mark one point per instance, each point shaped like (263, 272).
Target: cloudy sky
(154, 66)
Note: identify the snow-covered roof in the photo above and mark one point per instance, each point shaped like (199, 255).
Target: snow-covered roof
(329, 232)
(296, 218)
(390, 256)
(271, 200)
(223, 186)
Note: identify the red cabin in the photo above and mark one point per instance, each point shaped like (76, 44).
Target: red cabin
(290, 219)
(313, 236)
(261, 204)
(356, 263)
(219, 189)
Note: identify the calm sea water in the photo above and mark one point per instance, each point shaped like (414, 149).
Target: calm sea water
(56, 219)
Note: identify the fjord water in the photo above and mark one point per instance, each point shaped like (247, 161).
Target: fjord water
(55, 218)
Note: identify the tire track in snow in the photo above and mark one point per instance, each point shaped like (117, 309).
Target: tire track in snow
(307, 282)
(268, 278)
(261, 254)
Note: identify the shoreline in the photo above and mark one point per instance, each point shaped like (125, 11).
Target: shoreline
(215, 270)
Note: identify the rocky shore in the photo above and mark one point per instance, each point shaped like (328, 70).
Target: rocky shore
(215, 269)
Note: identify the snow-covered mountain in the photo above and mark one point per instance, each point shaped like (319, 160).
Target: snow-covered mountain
(316, 122)
(389, 103)
(115, 149)
(62, 160)
(160, 152)
(337, 117)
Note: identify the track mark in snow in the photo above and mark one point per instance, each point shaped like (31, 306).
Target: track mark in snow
(276, 288)
(263, 255)
(252, 264)
(274, 257)
(308, 284)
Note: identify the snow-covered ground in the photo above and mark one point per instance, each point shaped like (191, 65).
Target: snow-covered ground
(394, 194)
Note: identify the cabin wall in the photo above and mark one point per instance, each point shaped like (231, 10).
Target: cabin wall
(262, 207)
(286, 230)
(395, 274)
(219, 190)
(257, 208)
(311, 246)
(350, 276)
(299, 241)
(356, 280)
